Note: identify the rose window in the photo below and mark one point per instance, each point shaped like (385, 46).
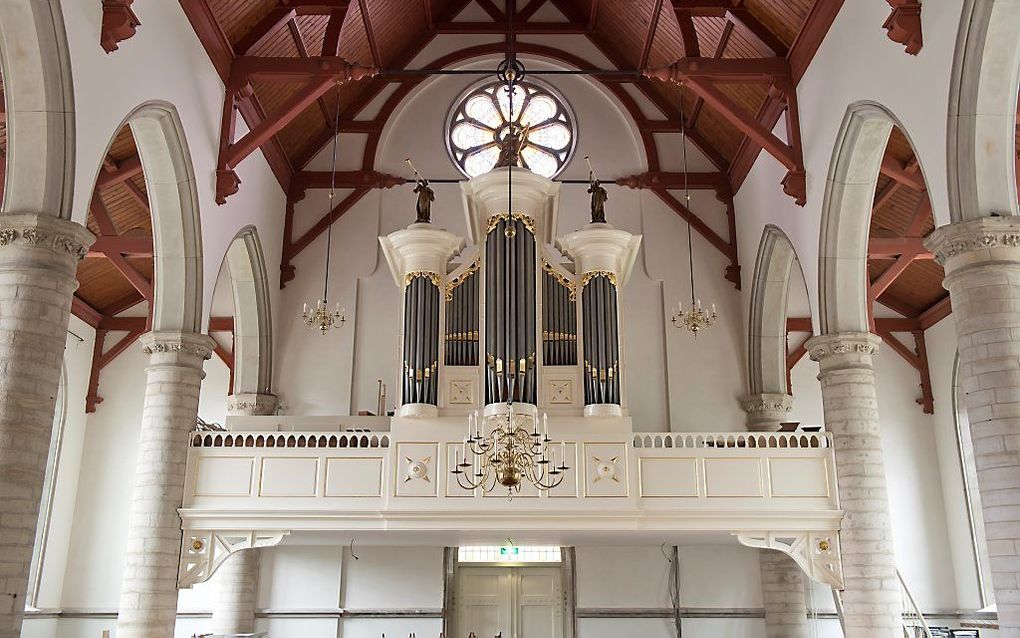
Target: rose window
(483, 119)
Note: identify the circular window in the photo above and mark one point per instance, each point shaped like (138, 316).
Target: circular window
(484, 121)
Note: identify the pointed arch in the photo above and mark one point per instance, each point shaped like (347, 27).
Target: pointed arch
(176, 229)
(253, 326)
(843, 285)
(982, 111)
(770, 288)
(36, 69)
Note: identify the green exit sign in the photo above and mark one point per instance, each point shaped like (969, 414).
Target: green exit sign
(508, 551)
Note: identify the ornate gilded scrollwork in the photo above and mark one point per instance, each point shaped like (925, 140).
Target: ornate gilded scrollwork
(563, 281)
(588, 276)
(411, 276)
(454, 283)
(529, 223)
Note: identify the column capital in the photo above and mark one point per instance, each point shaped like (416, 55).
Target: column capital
(171, 346)
(975, 242)
(46, 232)
(252, 404)
(823, 348)
(765, 411)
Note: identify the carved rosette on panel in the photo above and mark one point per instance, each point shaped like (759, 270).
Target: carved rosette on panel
(203, 551)
(46, 231)
(816, 553)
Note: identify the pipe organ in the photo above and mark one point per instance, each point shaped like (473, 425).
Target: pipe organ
(519, 315)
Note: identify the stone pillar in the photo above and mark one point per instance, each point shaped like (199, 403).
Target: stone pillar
(765, 412)
(872, 601)
(237, 586)
(237, 578)
(982, 262)
(782, 595)
(782, 583)
(148, 598)
(38, 258)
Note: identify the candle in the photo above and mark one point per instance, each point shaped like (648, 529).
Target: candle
(456, 459)
(545, 424)
(305, 311)
(713, 309)
(563, 451)
(471, 420)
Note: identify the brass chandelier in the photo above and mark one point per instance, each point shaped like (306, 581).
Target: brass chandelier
(320, 316)
(509, 449)
(696, 319)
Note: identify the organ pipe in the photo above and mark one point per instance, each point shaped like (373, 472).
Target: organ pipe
(599, 308)
(421, 338)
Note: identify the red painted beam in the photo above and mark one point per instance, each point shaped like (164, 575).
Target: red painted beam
(525, 28)
(125, 170)
(936, 313)
(904, 24)
(344, 179)
(729, 70)
(274, 69)
(903, 174)
(890, 274)
(673, 181)
(122, 245)
(119, 24)
(221, 324)
(260, 33)
(92, 398)
(85, 312)
(137, 279)
(892, 247)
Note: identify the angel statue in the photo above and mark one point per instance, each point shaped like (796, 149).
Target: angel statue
(425, 196)
(511, 147)
(598, 199)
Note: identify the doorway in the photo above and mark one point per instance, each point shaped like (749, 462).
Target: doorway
(511, 602)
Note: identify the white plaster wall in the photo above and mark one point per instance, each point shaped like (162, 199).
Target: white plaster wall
(166, 62)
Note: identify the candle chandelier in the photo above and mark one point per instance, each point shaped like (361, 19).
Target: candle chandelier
(320, 316)
(696, 319)
(509, 448)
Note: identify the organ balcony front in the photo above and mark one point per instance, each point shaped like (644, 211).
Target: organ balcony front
(511, 318)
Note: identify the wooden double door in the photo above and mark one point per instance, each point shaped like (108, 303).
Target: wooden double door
(512, 602)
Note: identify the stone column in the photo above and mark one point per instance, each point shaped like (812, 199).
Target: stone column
(148, 598)
(782, 582)
(872, 601)
(38, 258)
(237, 578)
(982, 262)
(237, 586)
(766, 411)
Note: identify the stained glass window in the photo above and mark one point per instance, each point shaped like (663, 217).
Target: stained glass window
(483, 118)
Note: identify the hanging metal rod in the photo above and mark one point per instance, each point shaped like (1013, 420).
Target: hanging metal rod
(484, 72)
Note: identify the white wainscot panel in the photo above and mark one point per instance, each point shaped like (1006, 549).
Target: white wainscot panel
(289, 476)
(733, 477)
(346, 476)
(676, 477)
(803, 478)
(224, 476)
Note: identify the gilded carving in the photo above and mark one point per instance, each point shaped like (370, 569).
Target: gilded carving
(560, 279)
(454, 283)
(414, 274)
(588, 276)
(529, 223)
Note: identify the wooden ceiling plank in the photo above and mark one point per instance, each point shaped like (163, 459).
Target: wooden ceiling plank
(261, 32)
(886, 279)
(922, 215)
(525, 28)
(102, 216)
(136, 194)
(126, 169)
(302, 47)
